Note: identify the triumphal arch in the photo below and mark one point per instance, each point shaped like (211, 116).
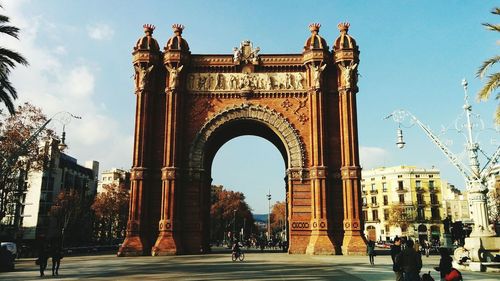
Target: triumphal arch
(189, 105)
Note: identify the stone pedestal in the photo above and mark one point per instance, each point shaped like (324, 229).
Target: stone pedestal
(480, 251)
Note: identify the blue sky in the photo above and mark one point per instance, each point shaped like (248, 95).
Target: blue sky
(414, 55)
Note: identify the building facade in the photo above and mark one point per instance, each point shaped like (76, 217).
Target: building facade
(402, 201)
(118, 177)
(455, 204)
(61, 172)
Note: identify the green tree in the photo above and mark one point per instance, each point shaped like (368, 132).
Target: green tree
(8, 60)
(111, 210)
(493, 79)
(17, 155)
(230, 213)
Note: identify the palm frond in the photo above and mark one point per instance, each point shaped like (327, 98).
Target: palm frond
(487, 64)
(491, 85)
(7, 100)
(6, 53)
(9, 30)
(4, 19)
(496, 11)
(497, 115)
(491, 26)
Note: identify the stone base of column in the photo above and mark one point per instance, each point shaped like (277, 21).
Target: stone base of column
(320, 244)
(298, 242)
(165, 245)
(354, 244)
(132, 246)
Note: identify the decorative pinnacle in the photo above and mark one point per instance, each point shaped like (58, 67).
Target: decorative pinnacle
(314, 27)
(177, 28)
(343, 26)
(149, 28)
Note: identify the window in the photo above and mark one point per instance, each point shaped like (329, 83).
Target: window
(386, 214)
(363, 188)
(373, 188)
(386, 200)
(400, 185)
(401, 198)
(384, 186)
(435, 213)
(420, 199)
(365, 215)
(364, 201)
(431, 184)
(434, 199)
(420, 213)
(374, 200)
(387, 228)
(418, 184)
(375, 215)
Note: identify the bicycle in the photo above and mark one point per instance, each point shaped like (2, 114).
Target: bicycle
(238, 256)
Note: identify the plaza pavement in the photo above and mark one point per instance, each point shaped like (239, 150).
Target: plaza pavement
(256, 266)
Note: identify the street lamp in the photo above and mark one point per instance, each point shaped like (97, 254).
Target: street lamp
(475, 178)
(234, 223)
(269, 215)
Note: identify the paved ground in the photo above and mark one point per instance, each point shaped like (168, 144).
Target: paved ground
(256, 266)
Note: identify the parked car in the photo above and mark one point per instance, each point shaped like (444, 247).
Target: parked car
(6, 259)
(11, 246)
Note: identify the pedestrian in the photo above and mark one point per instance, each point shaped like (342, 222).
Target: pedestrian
(445, 263)
(43, 256)
(427, 248)
(411, 262)
(56, 259)
(395, 251)
(370, 251)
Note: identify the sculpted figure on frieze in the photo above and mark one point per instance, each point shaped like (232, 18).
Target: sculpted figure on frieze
(317, 71)
(142, 73)
(349, 73)
(174, 75)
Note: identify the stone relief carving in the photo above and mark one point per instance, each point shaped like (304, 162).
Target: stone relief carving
(174, 75)
(349, 74)
(245, 81)
(316, 72)
(142, 73)
(302, 117)
(246, 53)
(275, 120)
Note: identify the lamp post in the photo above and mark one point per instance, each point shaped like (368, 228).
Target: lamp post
(475, 178)
(234, 224)
(269, 215)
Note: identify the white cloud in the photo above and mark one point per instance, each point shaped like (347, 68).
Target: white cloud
(100, 31)
(55, 85)
(372, 157)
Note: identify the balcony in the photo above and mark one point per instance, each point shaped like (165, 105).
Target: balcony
(374, 191)
(420, 190)
(402, 190)
(433, 190)
(421, 204)
(373, 220)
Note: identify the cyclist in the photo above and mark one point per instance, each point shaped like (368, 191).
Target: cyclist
(236, 248)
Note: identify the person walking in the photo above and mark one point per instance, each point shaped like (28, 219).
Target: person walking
(411, 262)
(56, 259)
(427, 248)
(395, 251)
(445, 265)
(370, 250)
(43, 256)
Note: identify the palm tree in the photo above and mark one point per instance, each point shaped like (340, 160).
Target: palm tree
(493, 80)
(8, 60)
